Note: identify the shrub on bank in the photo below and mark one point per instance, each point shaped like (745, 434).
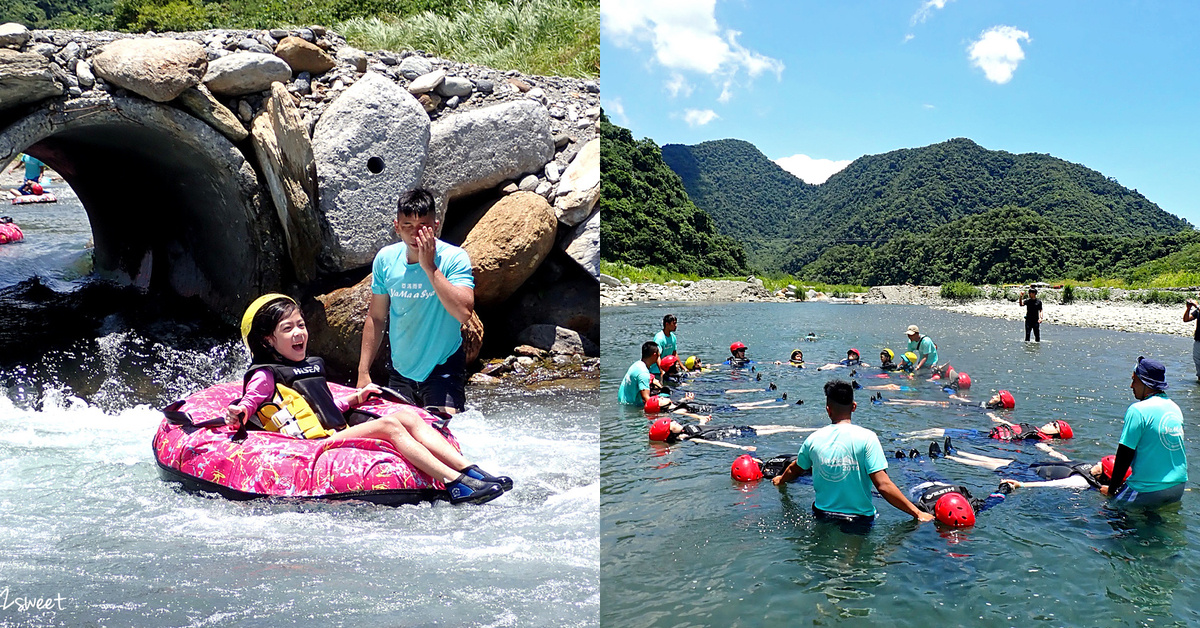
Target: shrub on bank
(960, 291)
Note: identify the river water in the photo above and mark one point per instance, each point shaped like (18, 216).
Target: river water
(682, 544)
(86, 523)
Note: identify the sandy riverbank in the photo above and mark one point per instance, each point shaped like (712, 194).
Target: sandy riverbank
(1115, 313)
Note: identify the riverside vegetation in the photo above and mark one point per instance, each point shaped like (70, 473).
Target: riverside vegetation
(547, 37)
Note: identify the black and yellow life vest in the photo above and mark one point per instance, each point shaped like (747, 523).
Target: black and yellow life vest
(301, 405)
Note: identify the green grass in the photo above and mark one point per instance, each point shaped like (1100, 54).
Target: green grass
(773, 283)
(548, 37)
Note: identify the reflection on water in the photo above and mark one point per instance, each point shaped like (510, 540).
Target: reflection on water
(684, 545)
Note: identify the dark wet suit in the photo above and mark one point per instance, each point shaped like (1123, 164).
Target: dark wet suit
(888, 365)
(717, 432)
(925, 496)
(1042, 471)
(1020, 431)
(739, 363)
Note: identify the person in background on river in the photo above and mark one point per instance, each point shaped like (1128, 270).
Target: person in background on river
(423, 291)
(1033, 314)
(1191, 312)
(1151, 442)
(635, 386)
(886, 360)
(668, 431)
(845, 460)
(923, 346)
(285, 391)
(853, 359)
(796, 359)
(665, 339)
(737, 357)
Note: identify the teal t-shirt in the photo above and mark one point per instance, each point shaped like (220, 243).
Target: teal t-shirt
(423, 334)
(842, 457)
(637, 379)
(666, 347)
(924, 347)
(1154, 430)
(33, 167)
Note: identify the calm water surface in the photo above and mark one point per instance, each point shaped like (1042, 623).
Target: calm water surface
(682, 544)
(84, 516)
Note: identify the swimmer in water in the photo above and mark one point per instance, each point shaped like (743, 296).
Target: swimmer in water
(796, 359)
(886, 362)
(1008, 432)
(668, 431)
(1001, 400)
(737, 358)
(852, 360)
(949, 377)
(1054, 474)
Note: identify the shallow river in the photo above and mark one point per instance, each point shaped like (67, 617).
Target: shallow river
(86, 523)
(682, 544)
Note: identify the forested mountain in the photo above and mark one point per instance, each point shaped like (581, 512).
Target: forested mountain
(748, 196)
(647, 216)
(910, 191)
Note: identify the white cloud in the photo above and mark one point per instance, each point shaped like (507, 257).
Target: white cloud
(726, 93)
(678, 85)
(907, 38)
(998, 51)
(927, 9)
(814, 171)
(699, 117)
(928, 106)
(616, 111)
(685, 37)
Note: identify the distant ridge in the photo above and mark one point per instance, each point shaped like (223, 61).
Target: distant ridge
(787, 223)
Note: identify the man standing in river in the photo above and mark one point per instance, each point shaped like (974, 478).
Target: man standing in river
(1191, 312)
(1033, 314)
(1151, 443)
(423, 291)
(845, 461)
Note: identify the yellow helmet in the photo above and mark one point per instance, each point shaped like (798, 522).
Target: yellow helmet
(691, 362)
(911, 357)
(890, 354)
(248, 317)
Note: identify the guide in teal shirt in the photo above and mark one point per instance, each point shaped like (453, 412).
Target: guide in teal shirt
(842, 458)
(422, 333)
(1154, 430)
(636, 379)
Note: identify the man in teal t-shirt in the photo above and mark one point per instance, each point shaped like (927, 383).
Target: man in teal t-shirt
(33, 167)
(635, 386)
(1151, 441)
(665, 340)
(845, 461)
(923, 346)
(422, 291)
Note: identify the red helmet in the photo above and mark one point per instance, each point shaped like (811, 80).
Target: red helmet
(661, 429)
(666, 363)
(953, 509)
(854, 351)
(1064, 429)
(653, 404)
(964, 380)
(737, 346)
(1106, 467)
(1006, 398)
(36, 188)
(745, 469)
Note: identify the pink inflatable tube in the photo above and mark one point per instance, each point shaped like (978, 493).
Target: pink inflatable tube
(195, 448)
(9, 232)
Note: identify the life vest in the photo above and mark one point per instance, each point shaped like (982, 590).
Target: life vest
(301, 406)
(1021, 431)
(1060, 470)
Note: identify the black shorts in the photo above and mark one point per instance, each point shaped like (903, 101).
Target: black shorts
(854, 524)
(445, 387)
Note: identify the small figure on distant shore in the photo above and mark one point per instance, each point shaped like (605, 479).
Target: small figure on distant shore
(1033, 314)
(1191, 312)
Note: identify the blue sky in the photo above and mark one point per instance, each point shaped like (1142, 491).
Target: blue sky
(1112, 85)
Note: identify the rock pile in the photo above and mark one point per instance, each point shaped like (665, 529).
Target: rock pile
(616, 292)
(337, 133)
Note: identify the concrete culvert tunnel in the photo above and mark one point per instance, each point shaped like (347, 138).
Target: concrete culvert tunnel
(174, 206)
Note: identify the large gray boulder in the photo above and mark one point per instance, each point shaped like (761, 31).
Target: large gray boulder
(13, 35)
(156, 68)
(579, 188)
(370, 146)
(244, 73)
(583, 244)
(285, 155)
(205, 106)
(556, 339)
(476, 150)
(25, 77)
